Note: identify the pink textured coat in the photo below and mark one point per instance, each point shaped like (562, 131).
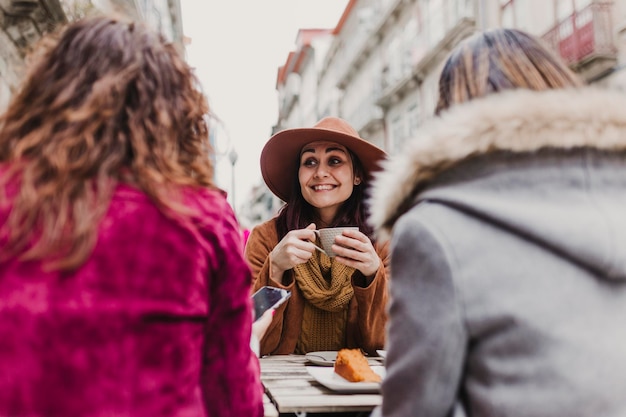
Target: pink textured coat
(156, 322)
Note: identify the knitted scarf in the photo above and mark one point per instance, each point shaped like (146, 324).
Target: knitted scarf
(326, 285)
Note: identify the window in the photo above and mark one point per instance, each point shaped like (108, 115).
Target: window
(514, 14)
(410, 44)
(507, 17)
(394, 51)
(397, 133)
(437, 17)
(429, 94)
(564, 11)
(461, 8)
(414, 119)
(565, 8)
(436, 23)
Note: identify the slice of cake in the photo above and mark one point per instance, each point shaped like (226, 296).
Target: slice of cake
(353, 366)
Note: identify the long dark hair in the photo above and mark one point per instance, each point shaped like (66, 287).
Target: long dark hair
(111, 101)
(297, 213)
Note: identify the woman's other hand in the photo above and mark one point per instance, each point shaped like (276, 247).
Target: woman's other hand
(295, 248)
(355, 249)
(259, 328)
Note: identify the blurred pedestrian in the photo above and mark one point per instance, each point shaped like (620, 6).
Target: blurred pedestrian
(245, 234)
(508, 294)
(123, 287)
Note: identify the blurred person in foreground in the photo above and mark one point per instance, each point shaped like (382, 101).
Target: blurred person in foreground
(123, 287)
(323, 174)
(508, 294)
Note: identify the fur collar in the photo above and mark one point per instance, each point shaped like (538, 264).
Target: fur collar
(517, 121)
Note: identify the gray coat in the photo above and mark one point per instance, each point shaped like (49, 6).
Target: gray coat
(508, 266)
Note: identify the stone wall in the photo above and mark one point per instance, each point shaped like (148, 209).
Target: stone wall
(11, 67)
(22, 24)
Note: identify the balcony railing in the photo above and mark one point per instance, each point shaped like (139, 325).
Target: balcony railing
(584, 35)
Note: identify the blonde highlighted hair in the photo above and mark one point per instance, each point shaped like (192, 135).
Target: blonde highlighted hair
(497, 60)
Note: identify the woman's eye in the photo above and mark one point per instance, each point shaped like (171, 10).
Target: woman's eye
(309, 162)
(335, 161)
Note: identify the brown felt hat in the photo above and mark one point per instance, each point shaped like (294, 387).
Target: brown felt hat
(280, 157)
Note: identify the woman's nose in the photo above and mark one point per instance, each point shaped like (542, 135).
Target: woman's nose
(321, 171)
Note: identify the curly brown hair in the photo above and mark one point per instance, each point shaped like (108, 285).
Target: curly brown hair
(110, 102)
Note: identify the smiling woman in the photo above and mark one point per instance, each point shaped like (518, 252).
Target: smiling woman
(322, 173)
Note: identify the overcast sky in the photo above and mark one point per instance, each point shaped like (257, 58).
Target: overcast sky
(236, 48)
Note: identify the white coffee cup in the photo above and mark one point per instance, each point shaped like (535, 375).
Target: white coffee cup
(327, 237)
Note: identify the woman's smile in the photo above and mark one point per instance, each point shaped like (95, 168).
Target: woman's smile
(324, 187)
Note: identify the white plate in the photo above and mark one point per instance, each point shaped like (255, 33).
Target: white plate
(382, 353)
(331, 380)
(322, 358)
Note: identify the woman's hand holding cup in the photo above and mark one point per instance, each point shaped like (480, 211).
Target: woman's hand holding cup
(353, 248)
(295, 248)
(350, 246)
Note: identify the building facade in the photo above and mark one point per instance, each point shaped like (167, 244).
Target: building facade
(24, 22)
(381, 68)
(391, 52)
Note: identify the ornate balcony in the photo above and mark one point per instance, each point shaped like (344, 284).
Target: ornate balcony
(585, 40)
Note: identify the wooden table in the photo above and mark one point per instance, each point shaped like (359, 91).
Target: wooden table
(291, 389)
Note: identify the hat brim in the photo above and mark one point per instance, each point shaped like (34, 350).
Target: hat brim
(280, 157)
